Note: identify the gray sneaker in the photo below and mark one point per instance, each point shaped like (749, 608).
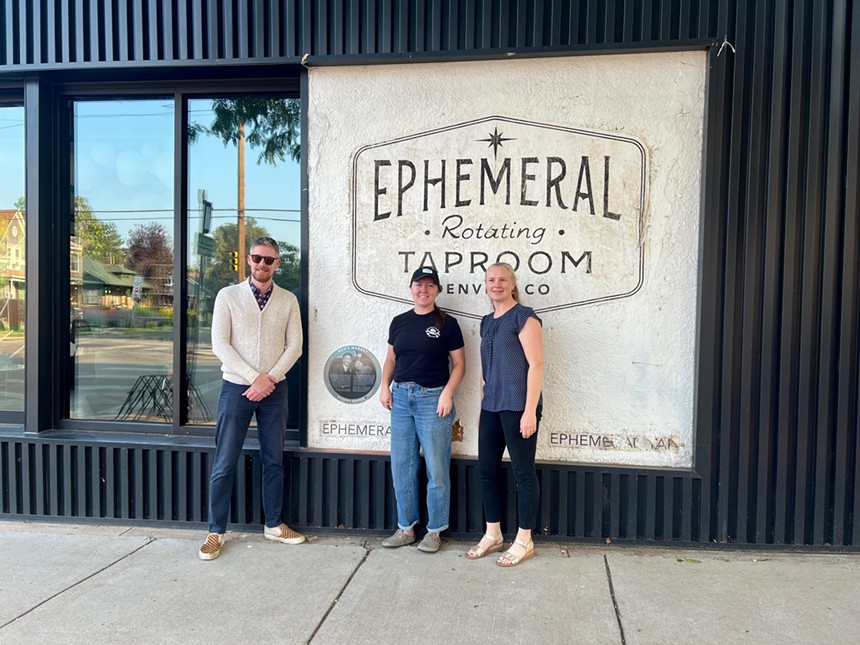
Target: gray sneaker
(430, 543)
(400, 538)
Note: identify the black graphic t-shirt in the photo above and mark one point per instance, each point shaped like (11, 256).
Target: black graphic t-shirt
(421, 348)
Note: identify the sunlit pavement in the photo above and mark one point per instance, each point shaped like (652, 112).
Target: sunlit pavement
(108, 584)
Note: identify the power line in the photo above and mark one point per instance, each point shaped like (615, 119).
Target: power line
(220, 217)
(191, 210)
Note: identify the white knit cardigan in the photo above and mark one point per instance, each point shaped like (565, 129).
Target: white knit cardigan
(249, 341)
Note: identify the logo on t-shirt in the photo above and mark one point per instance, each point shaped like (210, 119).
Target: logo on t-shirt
(433, 332)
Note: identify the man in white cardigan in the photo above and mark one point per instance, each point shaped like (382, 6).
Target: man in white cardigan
(257, 336)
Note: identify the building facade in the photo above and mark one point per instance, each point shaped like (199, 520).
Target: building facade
(676, 183)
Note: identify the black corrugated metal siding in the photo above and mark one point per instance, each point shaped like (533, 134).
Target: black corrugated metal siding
(778, 400)
(65, 33)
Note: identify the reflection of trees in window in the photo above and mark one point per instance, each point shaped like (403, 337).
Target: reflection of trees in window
(221, 272)
(270, 124)
(99, 240)
(150, 254)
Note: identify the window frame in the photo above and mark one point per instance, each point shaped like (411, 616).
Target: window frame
(180, 92)
(13, 97)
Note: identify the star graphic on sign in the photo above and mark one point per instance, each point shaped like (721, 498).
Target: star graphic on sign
(495, 141)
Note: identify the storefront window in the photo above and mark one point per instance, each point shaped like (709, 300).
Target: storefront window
(243, 175)
(121, 260)
(12, 257)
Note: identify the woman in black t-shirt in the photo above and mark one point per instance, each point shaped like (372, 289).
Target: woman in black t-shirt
(418, 384)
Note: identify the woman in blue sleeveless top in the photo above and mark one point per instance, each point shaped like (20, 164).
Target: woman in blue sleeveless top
(512, 369)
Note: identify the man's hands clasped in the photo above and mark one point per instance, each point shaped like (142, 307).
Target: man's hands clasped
(262, 387)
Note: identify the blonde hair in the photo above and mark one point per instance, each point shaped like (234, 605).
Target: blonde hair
(507, 267)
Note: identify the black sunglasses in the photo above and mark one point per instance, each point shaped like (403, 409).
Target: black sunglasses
(256, 259)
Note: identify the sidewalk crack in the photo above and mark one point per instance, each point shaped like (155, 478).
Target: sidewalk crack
(340, 593)
(614, 600)
(82, 580)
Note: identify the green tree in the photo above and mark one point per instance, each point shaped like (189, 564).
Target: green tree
(99, 240)
(272, 124)
(150, 251)
(150, 254)
(221, 273)
(268, 123)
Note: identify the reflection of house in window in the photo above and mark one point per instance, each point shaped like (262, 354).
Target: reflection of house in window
(109, 285)
(159, 277)
(12, 268)
(76, 270)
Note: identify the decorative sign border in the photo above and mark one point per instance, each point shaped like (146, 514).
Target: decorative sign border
(356, 279)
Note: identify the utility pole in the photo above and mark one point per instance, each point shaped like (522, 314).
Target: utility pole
(240, 232)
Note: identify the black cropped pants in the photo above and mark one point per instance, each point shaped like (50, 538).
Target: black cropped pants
(496, 431)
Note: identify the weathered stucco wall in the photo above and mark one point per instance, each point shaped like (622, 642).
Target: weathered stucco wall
(598, 204)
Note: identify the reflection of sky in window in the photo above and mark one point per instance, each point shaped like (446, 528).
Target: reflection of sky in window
(272, 193)
(124, 168)
(11, 156)
(123, 154)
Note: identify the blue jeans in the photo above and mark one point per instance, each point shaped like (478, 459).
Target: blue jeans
(234, 417)
(414, 424)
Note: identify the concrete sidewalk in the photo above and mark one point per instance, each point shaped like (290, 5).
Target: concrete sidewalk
(91, 584)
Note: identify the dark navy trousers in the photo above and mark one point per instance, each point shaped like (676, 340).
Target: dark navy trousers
(234, 416)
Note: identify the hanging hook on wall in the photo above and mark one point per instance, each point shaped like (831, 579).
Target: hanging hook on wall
(725, 44)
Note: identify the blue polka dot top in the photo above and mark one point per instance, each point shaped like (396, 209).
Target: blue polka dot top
(503, 361)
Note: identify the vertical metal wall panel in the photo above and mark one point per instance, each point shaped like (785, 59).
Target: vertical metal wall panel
(831, 153)
(848, 406)
(751, 184)
(840, 242)
(120, 27)
(733, 271)
(711, 290)
(138, 32)
(97, 32)
(336, 28)
(813, 408)
(49, 28)
(272, 33)
(774, 79)
(152, 33)
(26, 37)
(7, 57)
(108, 32)
(11, 477)
(778, 233)
(52, 481)
(792, 265)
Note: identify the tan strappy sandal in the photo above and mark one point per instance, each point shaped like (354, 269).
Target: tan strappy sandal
(477, 552)
(508, 559)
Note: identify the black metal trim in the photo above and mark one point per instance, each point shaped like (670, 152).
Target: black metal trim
(180, 260)
(303, 263)
(41, 343)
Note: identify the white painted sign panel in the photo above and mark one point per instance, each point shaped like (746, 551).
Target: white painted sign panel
(583, 173)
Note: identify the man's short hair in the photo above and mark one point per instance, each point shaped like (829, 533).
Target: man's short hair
(266, 241)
